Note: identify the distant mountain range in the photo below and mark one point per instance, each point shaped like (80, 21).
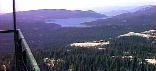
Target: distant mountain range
(41, 34)
(53, 14)
(142, 16)
(117, 10)
(39, 16)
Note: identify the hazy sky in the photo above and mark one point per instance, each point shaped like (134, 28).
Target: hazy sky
(6, 5)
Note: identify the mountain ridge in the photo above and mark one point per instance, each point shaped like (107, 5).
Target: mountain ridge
(142, 16)
(39, 17)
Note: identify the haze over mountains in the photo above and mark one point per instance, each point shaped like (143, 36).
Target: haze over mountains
(127, 34)
(116, 10)
(32, 23)
(64, 17)
(43, 15)
(142, 16)
(55, 14)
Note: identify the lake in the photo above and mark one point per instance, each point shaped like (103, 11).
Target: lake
(71, 22)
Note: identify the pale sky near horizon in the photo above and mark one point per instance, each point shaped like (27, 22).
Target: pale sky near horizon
(23, 5)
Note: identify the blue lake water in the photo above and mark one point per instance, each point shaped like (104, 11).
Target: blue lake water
(72, 22)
